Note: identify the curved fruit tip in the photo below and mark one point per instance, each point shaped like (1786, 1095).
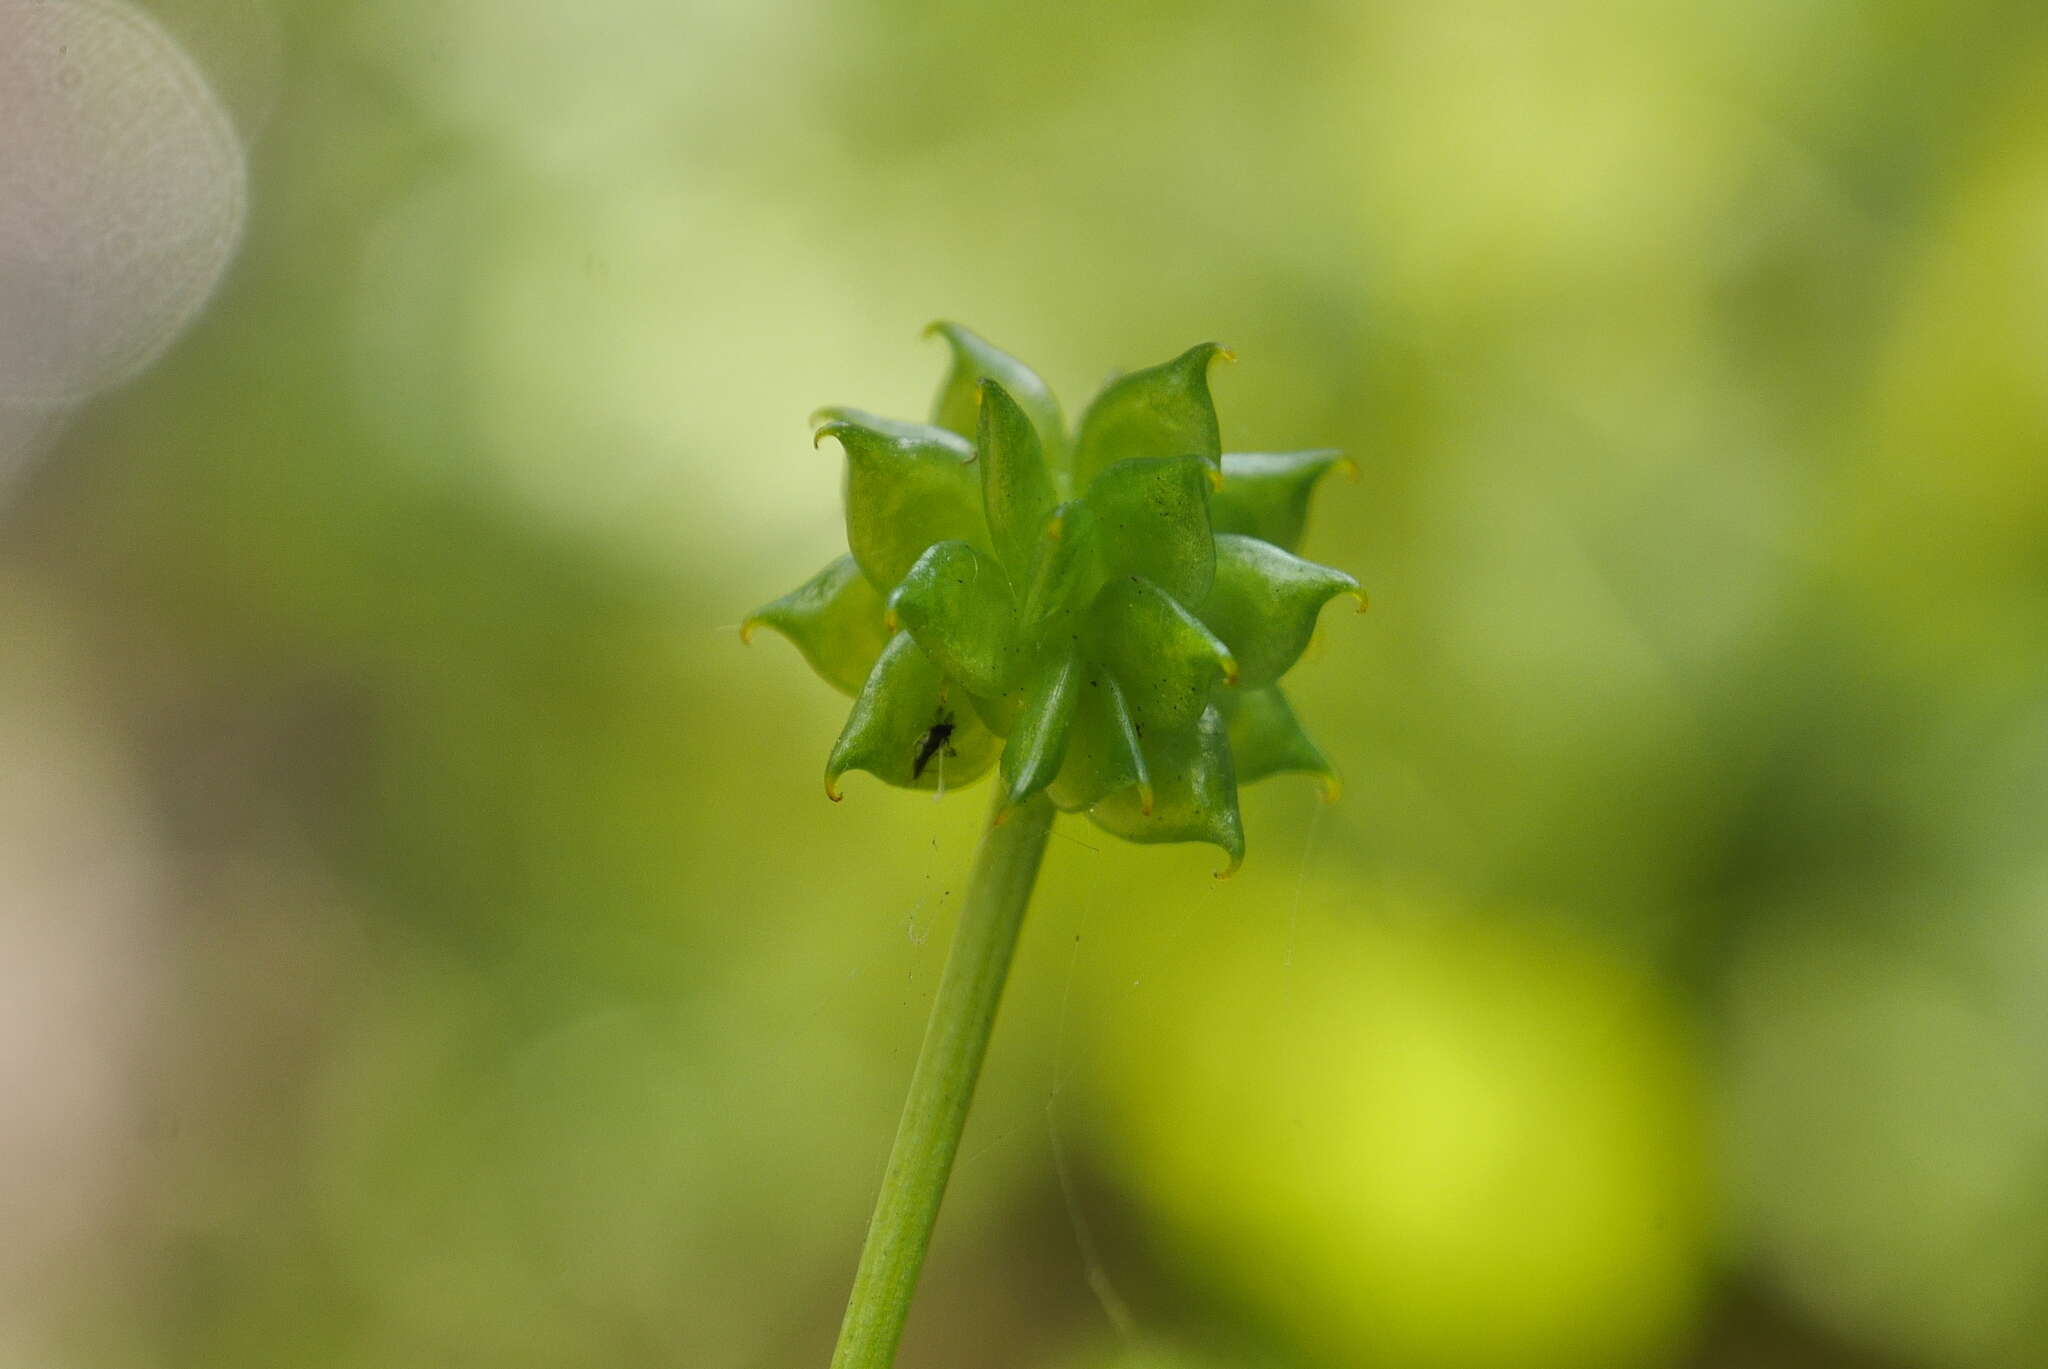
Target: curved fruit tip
(826, 427)
(1215, 478)
(1230, 671)
(894, 624)
(1348, 467)
(832, 789)
(1333, 787)
(1146, 799)
(1236, 863)
(936, 326)
(747, 631)
(1364, 600)
(1222, 353)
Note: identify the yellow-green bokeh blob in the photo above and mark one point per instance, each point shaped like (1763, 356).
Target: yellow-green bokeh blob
(1423, 1138)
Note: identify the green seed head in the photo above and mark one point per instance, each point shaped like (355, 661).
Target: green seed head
(1105, 616)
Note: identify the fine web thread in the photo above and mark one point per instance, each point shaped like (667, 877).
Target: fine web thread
(1092, 1267)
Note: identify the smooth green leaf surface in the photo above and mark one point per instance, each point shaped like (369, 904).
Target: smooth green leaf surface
(1267, 739)
(975, 359)
(1038, 742)
(909, 727)
(956, 602)
(1103, 752)
(835, 620)
(1016, 488)
(1265, 602)
(1196, 798)
(1166, 660)
(1266, 494)
(1151, 518)
(1163, 410)
(907, 486)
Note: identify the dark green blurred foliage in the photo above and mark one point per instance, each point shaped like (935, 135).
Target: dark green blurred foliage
(499, 989)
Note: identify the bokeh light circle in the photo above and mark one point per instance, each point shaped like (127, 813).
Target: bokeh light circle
(122, 193)
(1456, 1141)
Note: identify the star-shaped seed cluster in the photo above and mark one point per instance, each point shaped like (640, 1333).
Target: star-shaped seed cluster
(1105, 614)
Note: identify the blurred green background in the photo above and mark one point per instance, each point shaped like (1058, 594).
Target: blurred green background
(425, 939)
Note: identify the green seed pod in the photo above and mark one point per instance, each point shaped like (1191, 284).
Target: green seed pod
(1104, 616)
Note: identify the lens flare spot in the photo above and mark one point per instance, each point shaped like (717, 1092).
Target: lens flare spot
(122, 193)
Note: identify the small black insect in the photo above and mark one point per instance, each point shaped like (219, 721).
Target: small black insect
(938, 737)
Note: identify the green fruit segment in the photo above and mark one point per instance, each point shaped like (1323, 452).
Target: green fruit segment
(975, 360)
(1104, 755)
(1163, 410)
(1150, 517)
(835, 619)
(1265, 602)
(907, 486)
(1168, 663)
(1038, 743)
(1266, 494)
(956, 602)
(1267, 739)
(1016, 488)
(909, 729)
(1196, 799)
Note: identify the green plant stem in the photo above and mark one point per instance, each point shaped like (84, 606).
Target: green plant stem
(942, 1086)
